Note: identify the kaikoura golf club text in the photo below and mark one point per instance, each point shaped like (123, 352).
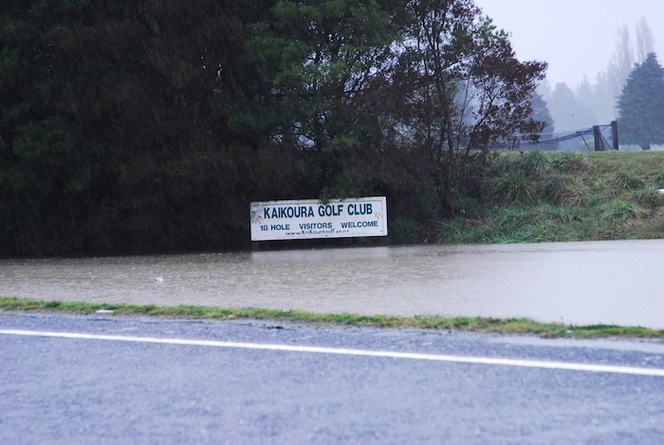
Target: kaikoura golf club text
(315, 219)
(352, 209)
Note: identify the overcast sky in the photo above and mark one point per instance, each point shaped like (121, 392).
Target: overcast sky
(575, 37)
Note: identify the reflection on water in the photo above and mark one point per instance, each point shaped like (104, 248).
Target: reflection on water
(581, 283)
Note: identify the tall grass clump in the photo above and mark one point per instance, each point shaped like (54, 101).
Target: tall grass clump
(562, 189)
(658, 180)
(649, 198)
(626, 180)
(512, 188)
(535, 164)
(570, 163)
(622, 211)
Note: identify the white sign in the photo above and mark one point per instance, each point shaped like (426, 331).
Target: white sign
(310, 218)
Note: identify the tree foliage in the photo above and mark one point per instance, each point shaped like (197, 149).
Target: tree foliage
(137, 127)
(641, 105)
(459, 89)
(570, 113)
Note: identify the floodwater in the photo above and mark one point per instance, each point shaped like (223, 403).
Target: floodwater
(613, 282)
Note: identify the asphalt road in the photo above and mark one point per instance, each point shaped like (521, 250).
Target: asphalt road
(149, 380)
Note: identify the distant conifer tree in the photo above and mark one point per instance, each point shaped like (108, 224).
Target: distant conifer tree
(641, 105)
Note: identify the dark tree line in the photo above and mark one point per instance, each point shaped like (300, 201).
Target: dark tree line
(132, 126)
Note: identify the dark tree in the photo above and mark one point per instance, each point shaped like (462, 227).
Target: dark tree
(541, 113)
(315, 63)
(44, 174)
(567, 111)
(149, 126)
(316, 59)
(460, 89)
(641, 105)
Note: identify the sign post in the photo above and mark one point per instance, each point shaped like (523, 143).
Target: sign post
(310, 218)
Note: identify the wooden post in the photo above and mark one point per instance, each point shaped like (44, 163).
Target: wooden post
(614, 135)
(597, 134)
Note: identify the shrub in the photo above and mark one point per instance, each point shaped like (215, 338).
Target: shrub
(452, 231)
(404, 231)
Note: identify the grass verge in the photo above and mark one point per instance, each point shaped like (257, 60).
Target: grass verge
(534, 196)
(521, 326)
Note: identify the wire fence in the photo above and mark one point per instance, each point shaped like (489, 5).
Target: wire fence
(595, 138)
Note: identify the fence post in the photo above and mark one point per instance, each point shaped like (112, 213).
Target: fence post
(614, 135)
(597, 134)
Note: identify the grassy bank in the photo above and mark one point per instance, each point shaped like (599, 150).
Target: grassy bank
(545, 196)
(488, 325)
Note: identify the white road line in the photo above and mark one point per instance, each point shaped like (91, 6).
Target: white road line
(357, 352)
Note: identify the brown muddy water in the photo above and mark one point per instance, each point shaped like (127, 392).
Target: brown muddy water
(613, 282)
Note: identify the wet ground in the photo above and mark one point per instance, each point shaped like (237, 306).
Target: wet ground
(613, 282)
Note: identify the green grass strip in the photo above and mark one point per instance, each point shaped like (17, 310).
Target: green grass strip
(475, 324)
